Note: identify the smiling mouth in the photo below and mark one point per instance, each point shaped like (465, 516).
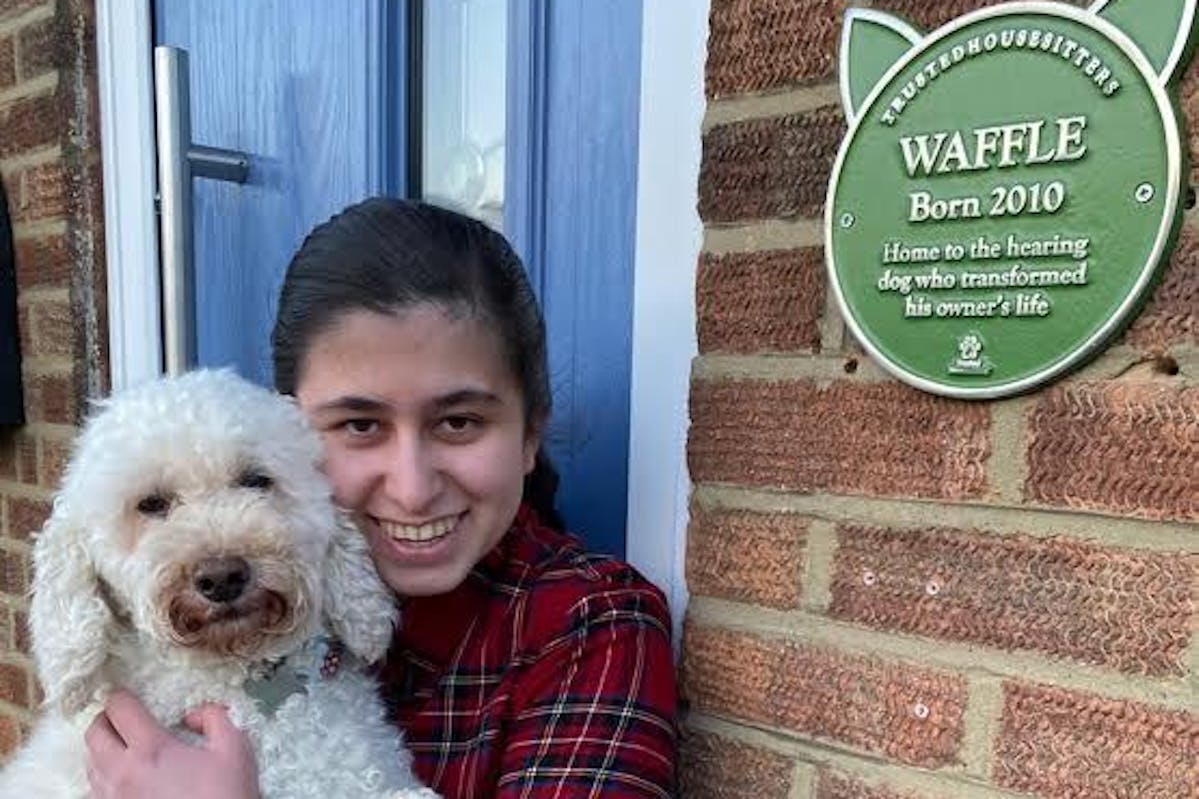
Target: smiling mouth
(419, 533)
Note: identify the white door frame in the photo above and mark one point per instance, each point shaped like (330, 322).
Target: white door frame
(668, 241)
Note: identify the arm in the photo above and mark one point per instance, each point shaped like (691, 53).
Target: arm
(129, 755)
(595, 714)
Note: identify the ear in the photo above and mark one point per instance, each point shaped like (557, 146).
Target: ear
(68, 617)
(359, 608)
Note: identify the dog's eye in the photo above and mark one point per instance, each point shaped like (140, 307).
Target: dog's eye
(154, 505)
(255, 480)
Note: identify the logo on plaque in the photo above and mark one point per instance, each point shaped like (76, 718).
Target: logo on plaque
(1008, 189)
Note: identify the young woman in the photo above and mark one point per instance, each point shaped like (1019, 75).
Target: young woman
(524, 666)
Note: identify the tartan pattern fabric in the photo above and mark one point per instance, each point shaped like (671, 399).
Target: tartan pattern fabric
(548, 674)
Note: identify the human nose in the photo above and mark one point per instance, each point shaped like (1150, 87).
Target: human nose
(413, 479)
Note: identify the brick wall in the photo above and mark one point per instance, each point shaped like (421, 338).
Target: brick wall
(50, 165)
(898, 596)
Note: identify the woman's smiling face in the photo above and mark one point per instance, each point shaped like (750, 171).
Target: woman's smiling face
(425, 438)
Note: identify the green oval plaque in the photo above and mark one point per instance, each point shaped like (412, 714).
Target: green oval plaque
(1008, 187)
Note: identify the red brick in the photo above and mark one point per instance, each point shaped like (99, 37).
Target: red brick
(1123, 609)
(54, 328)
(44, 45)
(20, 629)
(14, 684)
(768, 168)
(8, 67)
(839, 786)
(855, 438)
(1059, 744)
(746, 556)
(50, 398)
(43, 193)
(18, 456)
(1172, 315)
(930, 14)
(43, 261)
(761, 302)
(759, 45)
(28, 123)
(714, 767)
(14, 570)
(53, 462)
(26, 516)
(1123, 448)
(10, 735)
(906, 713)
(1188, 97)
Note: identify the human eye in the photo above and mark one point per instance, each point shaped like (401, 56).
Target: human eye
(360, 427)
(459, 427)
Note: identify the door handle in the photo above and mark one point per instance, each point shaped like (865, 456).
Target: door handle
(179, 160)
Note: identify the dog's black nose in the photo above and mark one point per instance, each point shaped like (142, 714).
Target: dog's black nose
(222, 579)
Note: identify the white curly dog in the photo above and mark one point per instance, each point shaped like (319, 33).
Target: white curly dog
(194, 554)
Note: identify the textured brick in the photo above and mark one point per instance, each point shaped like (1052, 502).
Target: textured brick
(1124, 448)
(14, 685)
(53, 329)
(906, 713)
(746, 556)
(8, 67)
(879, 438)
(20, 626)
(1058, 744)
(761, 302)
(10, 735)
(759, 45)
(767, 168)
(28, 123)
(1171, 316)
(44, 45)
(1188, 100)
(18, 456)
(1117, 608)
(13, 573)
(43, 261)
(838, 786)
(50, 398)
(716, 768)
(929, 14)
(26, 516)
(53, 464)
(43, 193)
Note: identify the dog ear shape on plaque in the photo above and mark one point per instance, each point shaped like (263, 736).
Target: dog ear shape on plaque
(68, 618)
(1162, 29)
(871, 43)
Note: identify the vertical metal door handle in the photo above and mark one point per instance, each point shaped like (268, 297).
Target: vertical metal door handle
(179, 160)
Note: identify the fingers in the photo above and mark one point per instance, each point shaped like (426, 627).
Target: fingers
(212, 721)
(131, 722)
(102, 740)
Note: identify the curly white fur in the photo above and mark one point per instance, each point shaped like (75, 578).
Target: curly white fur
(231, 471)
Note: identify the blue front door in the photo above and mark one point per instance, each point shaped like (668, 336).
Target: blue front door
(316, 93)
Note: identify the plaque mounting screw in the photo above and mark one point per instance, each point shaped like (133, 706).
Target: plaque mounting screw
(847, 220)
(1144, 193)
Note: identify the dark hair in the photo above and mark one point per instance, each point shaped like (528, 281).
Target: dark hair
(385, 255)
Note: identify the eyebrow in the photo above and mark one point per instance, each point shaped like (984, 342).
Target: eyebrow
(360, 404)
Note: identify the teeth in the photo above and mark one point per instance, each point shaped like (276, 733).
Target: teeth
(423, 532)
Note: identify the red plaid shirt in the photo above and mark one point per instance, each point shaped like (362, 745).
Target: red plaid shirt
(547, 673)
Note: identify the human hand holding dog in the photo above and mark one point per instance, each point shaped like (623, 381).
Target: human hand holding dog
(131, 756)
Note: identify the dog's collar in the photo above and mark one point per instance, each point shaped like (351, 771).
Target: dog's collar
(274, 681)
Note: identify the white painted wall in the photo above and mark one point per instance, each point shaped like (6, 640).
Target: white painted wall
(669, 237)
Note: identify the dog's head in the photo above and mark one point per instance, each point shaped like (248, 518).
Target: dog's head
(194, 511)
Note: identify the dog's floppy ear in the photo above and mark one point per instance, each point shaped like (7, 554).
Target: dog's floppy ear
(359, 608)
(68, 617)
